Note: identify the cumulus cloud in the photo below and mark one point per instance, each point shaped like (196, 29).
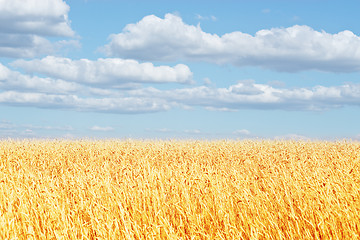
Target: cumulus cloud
(24, 26)
(219, 98)
(15, 45)
(144, 100)
(259, 96)
(14, 81)
(42, 17)
(18, 89)
(289, 49)
(110, 105)
(108, 71)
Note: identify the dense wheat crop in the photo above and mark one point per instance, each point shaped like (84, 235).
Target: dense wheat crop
(179, 190)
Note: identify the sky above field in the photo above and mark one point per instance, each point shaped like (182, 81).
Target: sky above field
(180, 69)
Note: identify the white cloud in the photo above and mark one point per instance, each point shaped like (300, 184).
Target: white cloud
(246, 87)
(17, 45)
(15, 81)
(220, 109)
(24, 26)
(284, 49)
(23, 90)
(219, 97)
(19, 89)
(49, 128)
(200, 17)
(108, 71)
(242, 132)
(40, 17)
(249, 95)
(103, 129)
(145, 100)
(112, 105)
(12, 80)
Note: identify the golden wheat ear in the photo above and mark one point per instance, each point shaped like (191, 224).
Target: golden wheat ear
(179, 190)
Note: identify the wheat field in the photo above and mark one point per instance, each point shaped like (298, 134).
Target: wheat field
(132, 189)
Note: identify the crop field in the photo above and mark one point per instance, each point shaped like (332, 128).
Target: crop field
(132, 189)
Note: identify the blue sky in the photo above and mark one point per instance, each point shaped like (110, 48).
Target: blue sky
(180, 69)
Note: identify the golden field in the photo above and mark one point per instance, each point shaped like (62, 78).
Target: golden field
(59, 189)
